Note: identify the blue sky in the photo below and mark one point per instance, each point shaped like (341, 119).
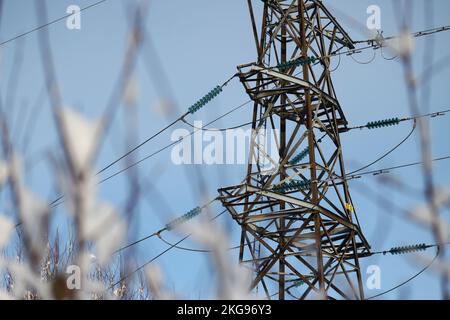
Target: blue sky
(198, 45)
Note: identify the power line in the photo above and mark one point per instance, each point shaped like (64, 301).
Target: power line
(57, 202)
(408, 249)
(397, 121)
(372, 41)
(158, 255)
(397, 250)
(439, 113)
(375, 44)
(416, 34)
(191, 249)
(173, 143)
(352, 177)
(137, 242)
(394, 251)
(388, 152)
(392, 122)
(218, 130)
(365, 62)
(409, 279)
(347, 177)
(169, 226)
(195, 107)
(147, 263)
(380, 171)
(50, 23)
(306, 183)
(387, 170)
(140, 145)
(379, 42)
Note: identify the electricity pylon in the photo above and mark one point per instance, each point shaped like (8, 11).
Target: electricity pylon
(299, 229)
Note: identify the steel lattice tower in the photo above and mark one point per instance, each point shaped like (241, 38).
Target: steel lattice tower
(299, 229)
